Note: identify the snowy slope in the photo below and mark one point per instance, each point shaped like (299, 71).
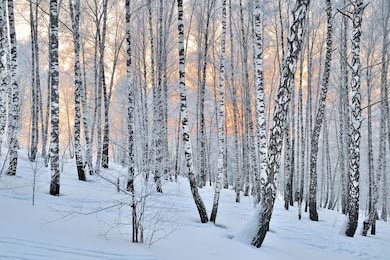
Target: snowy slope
(75, 226)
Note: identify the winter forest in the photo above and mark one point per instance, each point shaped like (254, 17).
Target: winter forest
(194, 129)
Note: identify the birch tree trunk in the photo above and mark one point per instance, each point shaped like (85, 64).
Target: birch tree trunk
(246, 106)
(102, 145)
(345, 116)
(4, 50)
(86, 119)
(34, 89)
(302, 149)
(309, 107)
(106, 98)
(237, 168)
(130, 123)
(158, 114)
(279, 119)
(184, 118)
(45, 131)
(320, 115)
(14, 110)
(202, 123)
(55, 109)
(356, 121)
(384, 85)
(221, 115)
(155, 128)
(261, 129)
(74, 8)
(287, 163)
(373, 194)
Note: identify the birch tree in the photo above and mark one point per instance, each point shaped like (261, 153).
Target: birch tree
(260, 96)
(4, 50)
(130, 122)
(279, 119)
(384, 86)
(373, 195)
(55, 109)
(14, 109)
(221, 117)
(202, 91)
(344, 112)
(356, 121)
(74, 8)
(103, 87)
(34, 87)
(320, 115)
(237, 168)
(184, 117)
(246, 140)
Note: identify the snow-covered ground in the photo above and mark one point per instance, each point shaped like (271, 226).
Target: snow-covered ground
(85, 223)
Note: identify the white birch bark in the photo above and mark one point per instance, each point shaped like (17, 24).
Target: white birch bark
(384, 85)
(237, 168)
(14, 110)
(221, 117)
(320, 115)
(34, 90)
(184, 118)
(280, 115)
(130, 123)
(4, 50)
(55, 109)
(74, 8)
(356, 121)
(261, 128)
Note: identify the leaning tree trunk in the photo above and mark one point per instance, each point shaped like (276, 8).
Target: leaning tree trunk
(280, 115)
(184, 118)
(14, 110)
(320, 116)
(75, 15)
(356, 122)
(221, 119)
(55, 109)
(4, 49)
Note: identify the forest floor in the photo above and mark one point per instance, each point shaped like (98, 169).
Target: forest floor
(91, 220)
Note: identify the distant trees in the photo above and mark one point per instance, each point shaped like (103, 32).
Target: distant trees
(127, 99)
